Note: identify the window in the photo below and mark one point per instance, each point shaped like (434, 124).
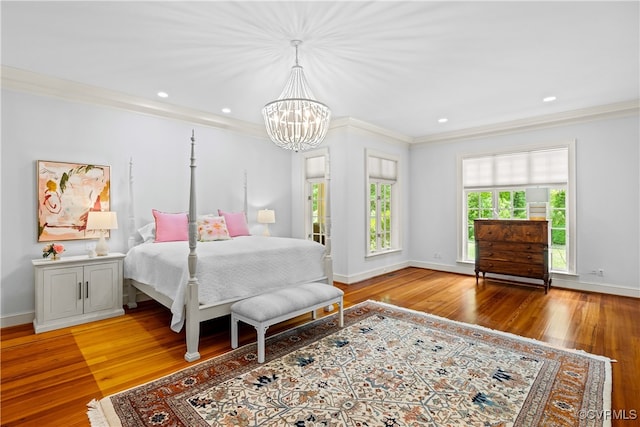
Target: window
(383, 232)
(315, 188)
(495, 186)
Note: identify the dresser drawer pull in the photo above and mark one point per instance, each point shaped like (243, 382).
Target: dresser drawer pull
(87, 287)
(528, 256)
(79, 290)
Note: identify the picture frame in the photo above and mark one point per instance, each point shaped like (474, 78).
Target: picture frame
(66, 192)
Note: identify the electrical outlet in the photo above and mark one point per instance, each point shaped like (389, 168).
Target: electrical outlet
(437, 255)
(601, 272)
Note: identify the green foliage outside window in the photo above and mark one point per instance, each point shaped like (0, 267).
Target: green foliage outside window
(379, 217)
(513, 205)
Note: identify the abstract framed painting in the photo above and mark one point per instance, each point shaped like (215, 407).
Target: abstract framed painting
(66, 194)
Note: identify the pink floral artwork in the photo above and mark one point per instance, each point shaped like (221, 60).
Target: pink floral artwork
(66, 194)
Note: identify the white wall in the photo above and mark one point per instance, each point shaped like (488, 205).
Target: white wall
(608, 197)
(42, 128)
(347, 147)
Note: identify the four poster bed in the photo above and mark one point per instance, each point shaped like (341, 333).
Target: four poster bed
(203, 284)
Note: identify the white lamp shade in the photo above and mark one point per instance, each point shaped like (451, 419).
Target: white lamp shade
(266, 216)
(102, 220)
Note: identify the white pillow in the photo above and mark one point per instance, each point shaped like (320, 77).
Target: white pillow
(148, 232)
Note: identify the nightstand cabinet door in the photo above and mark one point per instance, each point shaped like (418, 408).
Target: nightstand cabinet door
(62, 293)
(100, 286)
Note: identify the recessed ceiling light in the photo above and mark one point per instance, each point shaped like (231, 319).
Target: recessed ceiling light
(163, 94)
(443, 120)
(549, 99)
(226, 110)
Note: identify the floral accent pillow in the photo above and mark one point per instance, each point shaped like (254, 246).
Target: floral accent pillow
(212, 228)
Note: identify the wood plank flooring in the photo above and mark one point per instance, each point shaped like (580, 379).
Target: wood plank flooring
(47, 379)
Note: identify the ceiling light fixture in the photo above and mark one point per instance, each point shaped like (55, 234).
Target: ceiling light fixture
(296, 121)
(163, 94)
(226, 110)
(549, 99)
(443, 120)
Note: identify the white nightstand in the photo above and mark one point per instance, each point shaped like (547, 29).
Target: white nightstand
(77, 289)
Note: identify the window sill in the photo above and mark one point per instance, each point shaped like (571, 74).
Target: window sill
(377, 254)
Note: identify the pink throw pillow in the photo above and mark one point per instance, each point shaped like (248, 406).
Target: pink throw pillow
(212, 228)
(171, 227)
(236, 223)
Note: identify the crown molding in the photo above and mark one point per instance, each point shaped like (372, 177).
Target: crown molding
(43, 85)
(621, 109)
(352, 123)
(38, 84)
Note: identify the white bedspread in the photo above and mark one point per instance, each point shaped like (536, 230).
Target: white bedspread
(226, 270)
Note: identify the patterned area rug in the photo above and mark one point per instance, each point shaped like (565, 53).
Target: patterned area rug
(387, 367)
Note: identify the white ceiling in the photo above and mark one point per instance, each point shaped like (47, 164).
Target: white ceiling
(398, 65)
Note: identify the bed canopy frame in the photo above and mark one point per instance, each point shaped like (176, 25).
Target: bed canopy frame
(194, 311)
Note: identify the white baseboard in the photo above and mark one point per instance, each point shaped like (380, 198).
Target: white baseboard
(558, 280)
(348, 280)
(17, 319)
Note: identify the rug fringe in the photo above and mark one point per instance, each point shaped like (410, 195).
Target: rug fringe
(98, 416)
(95, 414)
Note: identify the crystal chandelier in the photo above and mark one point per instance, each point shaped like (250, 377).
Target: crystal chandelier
(296, 121)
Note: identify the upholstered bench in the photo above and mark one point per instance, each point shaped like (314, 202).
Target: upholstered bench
(268, 309)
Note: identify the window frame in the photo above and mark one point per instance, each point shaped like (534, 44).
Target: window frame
(308, 195)
(395, 232)
(570, 199)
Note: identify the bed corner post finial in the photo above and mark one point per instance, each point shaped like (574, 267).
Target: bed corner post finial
(192, 321)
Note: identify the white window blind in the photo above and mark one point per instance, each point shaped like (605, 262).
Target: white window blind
(380, 168)
(314, 167)
(549, 166)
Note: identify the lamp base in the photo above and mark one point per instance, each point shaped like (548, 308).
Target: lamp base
(266, 231)
(101, 247)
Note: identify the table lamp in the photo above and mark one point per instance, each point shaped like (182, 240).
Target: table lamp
(103, 221)
(266, 217)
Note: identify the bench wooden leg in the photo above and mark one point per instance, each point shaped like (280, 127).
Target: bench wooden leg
(261, 329)
(234, 332)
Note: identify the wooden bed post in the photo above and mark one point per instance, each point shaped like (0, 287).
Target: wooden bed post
(192, 321)
(328, 261)
(245, 206)
(131, 242)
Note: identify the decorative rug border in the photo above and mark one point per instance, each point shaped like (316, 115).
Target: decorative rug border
(102, 412)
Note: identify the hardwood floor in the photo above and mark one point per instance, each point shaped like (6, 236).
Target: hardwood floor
(47, 379)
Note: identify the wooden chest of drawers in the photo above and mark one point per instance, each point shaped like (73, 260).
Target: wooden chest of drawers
(514, 248)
